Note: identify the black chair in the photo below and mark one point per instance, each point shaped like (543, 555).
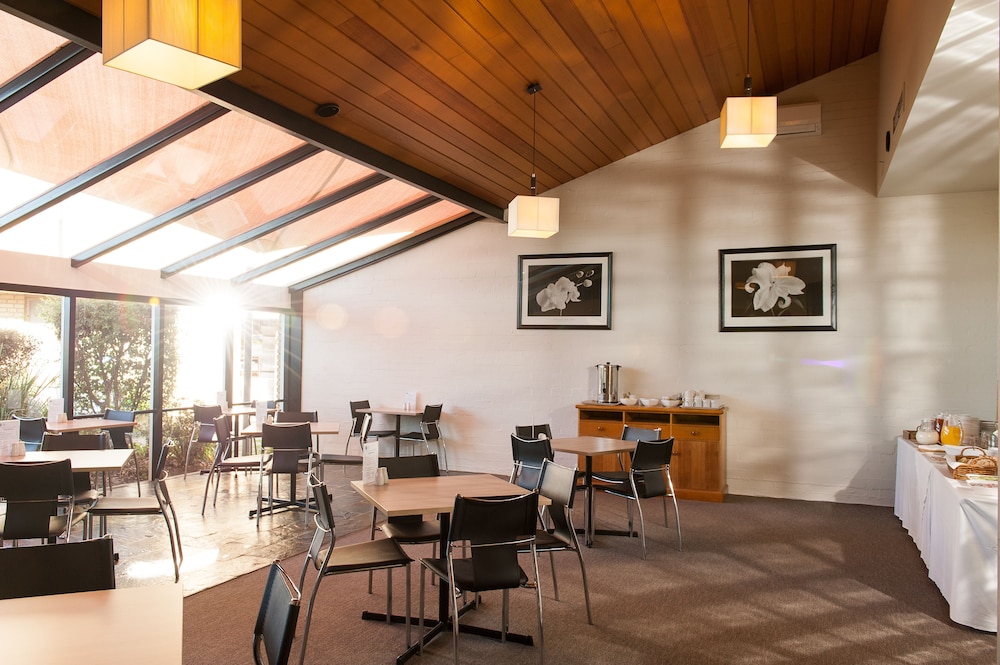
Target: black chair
(327, 559)
(529, 455)
(290, 447)
(430, 430)
(647, 477)
(543, 431)
(491, 531)
(84, 493)
(356, 421)
(46, 570)
(121, 438)
(296, 417)
(39, 500)
(558, 484)
(158, 504)
(632, 433)
(32, 431)
(409, 529)
(203, 431)
(279, 612)
(223, 462)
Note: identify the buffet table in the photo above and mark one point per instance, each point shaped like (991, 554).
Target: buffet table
(955, 528)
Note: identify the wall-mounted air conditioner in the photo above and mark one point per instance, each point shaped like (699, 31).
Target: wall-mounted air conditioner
(800, 120)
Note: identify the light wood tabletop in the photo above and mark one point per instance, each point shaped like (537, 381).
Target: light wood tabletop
(81, 424)
(115, 627)
(591, 445)
(108, 459)
(417, 496)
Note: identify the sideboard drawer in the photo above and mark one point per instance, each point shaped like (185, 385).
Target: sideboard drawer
(695, 432)
(609, 428)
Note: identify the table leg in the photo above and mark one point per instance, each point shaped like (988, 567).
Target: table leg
(399, 419)
(588, 517)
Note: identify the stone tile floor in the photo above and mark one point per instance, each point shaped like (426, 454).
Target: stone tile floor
(225, 543)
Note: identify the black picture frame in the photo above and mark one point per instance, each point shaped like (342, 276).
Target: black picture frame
(564, 291)
(791, 288)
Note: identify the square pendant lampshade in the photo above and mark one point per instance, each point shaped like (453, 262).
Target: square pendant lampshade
(188, 43)
(533, 217)
(748, 122)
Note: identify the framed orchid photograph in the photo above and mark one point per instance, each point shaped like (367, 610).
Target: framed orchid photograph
(564, 291)
(778, 288)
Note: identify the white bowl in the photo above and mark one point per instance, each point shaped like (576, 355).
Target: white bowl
(670, 403)
(629, 401)
(649, 401)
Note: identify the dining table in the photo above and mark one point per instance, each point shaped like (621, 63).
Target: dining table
(112, 627)
(398, 412)
(436, 495)
(83, 424)
(590, 447)
(94, 461)
(954, 526)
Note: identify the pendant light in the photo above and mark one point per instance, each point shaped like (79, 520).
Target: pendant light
(533, 216)
(188, 43)
(748, 121)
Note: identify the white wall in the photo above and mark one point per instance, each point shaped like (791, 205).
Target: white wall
(812, 415)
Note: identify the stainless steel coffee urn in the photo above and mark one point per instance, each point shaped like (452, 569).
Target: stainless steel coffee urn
(607, 383)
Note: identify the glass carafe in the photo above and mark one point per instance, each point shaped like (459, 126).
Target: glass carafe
(926, 432)
(951, 430)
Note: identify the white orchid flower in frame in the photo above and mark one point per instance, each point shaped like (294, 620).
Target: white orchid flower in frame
(772, 286)
(557, 295)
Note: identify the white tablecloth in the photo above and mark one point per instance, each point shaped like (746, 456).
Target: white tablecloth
(955, 529)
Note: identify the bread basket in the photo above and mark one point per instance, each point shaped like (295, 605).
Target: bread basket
(974, 461)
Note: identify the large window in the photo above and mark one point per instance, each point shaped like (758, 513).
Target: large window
(30, 355)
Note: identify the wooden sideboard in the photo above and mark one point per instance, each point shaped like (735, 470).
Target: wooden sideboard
(698, 465)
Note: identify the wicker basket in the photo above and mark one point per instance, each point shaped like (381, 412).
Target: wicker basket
(974, 463)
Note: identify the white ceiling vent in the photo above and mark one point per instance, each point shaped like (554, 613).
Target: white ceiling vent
(800, 120)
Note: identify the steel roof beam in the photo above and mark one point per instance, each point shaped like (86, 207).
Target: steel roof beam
(361, 229)
(181, 127)
(262, 230)
(262, 172)
(38, 76)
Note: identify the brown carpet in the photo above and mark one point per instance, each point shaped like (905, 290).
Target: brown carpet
(759, 581)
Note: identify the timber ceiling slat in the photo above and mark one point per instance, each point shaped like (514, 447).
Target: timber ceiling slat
(698, 97)
(804, 23)
(822, 38)
(474, 32)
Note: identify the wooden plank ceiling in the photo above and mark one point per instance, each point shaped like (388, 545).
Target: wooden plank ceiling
(440, 85)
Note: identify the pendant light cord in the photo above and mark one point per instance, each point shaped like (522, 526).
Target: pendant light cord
(748, 82)
(532, 89)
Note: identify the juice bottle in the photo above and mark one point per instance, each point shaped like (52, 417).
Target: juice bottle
(951, 431)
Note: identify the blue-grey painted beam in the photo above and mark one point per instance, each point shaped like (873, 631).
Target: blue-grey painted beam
(175, 130)
(386, 253)
(262, 172)
(262, 230)
(36, 77)
(361, 229)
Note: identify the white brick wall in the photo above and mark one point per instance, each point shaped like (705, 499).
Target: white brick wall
(813, 415)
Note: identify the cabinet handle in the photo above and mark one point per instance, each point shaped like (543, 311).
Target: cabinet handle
(695, 432)
(600, 428)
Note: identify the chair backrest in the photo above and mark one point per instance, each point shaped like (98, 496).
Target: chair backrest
(432, 413)
(276, 620)
(289, 443)
(224, 436)
(296, 416)
(558, 484)
(33, 492)
(414, 466)
(650, 464)
(72, 441)
(32, 429)
(631, 433)
(118, 434)
(326, 525)
(528, 454)
(75, 441)
(495, 528)
(44, 570)
(205, 414)
(360, 404)
(543, 431)
(366, 426)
